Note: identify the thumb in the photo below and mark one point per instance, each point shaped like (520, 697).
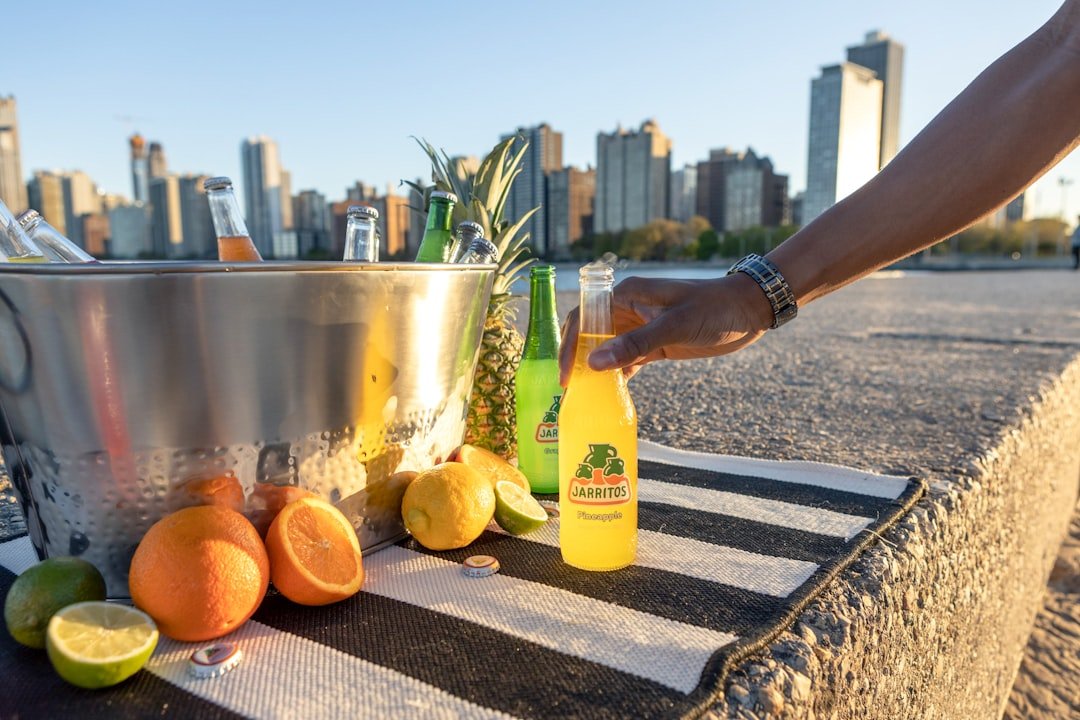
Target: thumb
(634, 346)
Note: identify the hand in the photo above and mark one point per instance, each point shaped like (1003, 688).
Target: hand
(673, 320)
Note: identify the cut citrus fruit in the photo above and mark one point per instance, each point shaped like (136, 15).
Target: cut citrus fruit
(448, 506)
(490, 466)
(98, 644)
(38, 593)
(314, 553)
(516, 511)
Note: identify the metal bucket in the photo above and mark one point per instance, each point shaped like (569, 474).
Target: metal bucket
(129, 391)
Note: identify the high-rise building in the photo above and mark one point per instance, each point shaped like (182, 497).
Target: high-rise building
(712, 186)
(571, 200)
(80, 198)
(684, 193)
(46, 195)
(543, 156)
(633, 175)
(95, 233)
(262, 191)
(797, 208)
(311, 219)
(885, 57)
(129, 231)
(845, 135)
(393, 224)
(156, 164)
(755, 195)
(12, 186)
(196, 223)
(286, 201)
(140, 169)
(166, 223)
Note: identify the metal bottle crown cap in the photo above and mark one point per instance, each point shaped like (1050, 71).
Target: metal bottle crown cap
(442, 194)
(472, 227)
(362, 211)
(27, 217)
(217, 183)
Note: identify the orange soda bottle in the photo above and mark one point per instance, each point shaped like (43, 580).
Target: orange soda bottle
(597, 444)
(234, 242)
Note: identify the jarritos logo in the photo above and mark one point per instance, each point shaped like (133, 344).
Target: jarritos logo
(601, 478)
(548, 429)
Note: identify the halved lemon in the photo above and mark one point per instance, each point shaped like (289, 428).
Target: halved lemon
(98, 644)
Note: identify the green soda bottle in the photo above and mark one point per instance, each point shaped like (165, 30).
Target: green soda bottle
(539, 394)
(438, 238)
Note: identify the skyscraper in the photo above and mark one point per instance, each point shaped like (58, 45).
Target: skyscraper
(156, 164)
(684, 193)
(129, 230)
(571, 199)
(140, 169)
(311, 218)
(712, 186)
(543, 156)
(633, 175)
(166, 222)
(755, 195)
(845, 135)
(80, 198)
(12, 186)
(196, 223)
(885, 57)
(262, 191)
(46, 195)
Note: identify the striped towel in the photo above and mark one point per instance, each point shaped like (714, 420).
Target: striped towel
(730, 550)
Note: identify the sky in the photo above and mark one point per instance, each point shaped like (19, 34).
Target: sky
(341, 86)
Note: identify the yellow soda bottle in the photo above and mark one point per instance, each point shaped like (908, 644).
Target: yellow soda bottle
(597, 444)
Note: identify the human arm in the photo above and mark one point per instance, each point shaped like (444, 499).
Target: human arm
(1008, 127)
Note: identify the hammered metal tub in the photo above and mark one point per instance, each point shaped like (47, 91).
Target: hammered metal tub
(129, 391)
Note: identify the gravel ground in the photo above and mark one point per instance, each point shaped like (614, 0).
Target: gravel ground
(956, 378)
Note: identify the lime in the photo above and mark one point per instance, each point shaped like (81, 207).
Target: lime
(45, 588)
(516, 511)
(98, 644)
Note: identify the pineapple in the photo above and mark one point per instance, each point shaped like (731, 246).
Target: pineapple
(491, 422)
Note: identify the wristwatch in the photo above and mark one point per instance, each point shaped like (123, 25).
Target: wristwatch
(776, 289)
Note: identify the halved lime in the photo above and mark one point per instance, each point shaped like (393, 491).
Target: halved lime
(98, 644)
(516, 511)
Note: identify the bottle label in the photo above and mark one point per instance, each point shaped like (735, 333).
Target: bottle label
(547, 431)
(600, 478)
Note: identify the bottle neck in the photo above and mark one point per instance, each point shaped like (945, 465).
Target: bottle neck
(15, 244)
(596, 317)
(439, 216)
(225, 211)
(55, 245)
(361, 243)
(542, 339)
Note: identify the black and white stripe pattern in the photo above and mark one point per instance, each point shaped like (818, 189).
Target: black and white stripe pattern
(729, 550)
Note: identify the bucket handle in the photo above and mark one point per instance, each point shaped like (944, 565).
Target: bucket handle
(10, 381)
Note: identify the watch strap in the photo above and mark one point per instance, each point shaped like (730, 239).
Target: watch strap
(772, 283)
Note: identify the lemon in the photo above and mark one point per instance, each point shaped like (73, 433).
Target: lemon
(516, 511)
(98, 644)
(448, 506)
(45, 588)
(490, 466)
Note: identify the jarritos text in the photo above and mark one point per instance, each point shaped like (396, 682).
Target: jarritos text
(601, 478)
(547, 431)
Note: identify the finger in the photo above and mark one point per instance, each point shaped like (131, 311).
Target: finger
(568, 346)
(637, 345)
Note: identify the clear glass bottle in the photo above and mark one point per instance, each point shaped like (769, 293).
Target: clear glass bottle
(361, 234)
(15, 245)
(538, 393)
(234, 241)
(467, 231)
(437, 241)
(480, 251)
(52, 242)
(597, 444)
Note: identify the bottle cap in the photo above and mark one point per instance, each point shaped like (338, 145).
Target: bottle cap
(217, 183)
(478, 566)
(363, 211)
(551, 508)
(476, 229)
(481, 250)
(444, 195)
(27, 218)
(214, 660)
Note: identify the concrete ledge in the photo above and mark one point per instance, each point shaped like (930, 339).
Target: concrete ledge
(933, 621)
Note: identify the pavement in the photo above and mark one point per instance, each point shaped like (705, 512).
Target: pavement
(969, 380)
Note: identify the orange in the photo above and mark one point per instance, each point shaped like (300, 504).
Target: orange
(224, 490)
(490, 466)
(314, 553)
(200, 572)
(448, 506)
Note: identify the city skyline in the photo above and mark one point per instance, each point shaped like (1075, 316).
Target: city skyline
(704, 95)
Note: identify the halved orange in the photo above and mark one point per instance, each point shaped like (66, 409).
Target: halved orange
(314, 553)
(490, 466)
